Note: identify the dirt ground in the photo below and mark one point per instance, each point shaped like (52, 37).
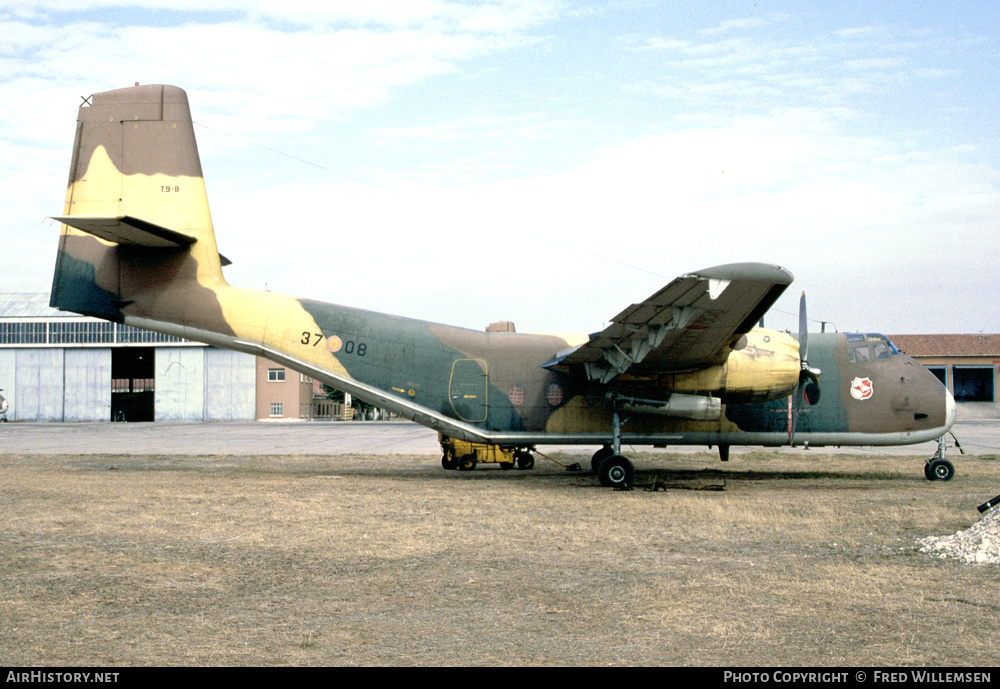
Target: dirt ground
(125, 560)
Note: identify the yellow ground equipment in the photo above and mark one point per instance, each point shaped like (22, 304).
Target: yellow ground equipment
(459, 454)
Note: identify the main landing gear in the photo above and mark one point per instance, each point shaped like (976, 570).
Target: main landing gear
(612, 469)
(937, 467)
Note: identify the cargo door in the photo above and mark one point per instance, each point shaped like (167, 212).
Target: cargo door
(467, 389)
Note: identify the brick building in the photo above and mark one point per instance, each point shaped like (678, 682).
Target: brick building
(967, 364)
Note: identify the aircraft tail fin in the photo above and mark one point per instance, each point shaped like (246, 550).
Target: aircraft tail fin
(136, 223)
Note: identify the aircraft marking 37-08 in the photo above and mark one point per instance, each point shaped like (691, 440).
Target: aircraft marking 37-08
(685, 366)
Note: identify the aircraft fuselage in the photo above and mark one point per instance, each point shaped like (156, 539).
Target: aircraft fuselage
(492, 387)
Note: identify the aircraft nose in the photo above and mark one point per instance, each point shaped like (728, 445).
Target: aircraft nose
(949, 409)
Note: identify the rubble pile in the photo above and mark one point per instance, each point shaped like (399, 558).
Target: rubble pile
(979, 544)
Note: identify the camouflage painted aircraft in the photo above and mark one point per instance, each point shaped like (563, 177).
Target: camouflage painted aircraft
(685, 366)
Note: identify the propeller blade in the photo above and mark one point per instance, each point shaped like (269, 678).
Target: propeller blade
(808, 373)
(803, 331)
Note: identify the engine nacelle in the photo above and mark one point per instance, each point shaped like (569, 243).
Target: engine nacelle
(766, 367)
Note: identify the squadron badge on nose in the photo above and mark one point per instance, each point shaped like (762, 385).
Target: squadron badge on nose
(861, 388)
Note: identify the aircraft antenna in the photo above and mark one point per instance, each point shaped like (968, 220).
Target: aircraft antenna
(283, 154)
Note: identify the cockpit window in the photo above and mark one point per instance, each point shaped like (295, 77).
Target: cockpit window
(860, 353)
(863, 348)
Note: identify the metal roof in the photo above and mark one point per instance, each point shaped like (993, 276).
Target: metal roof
(948, 345)
(30, 305)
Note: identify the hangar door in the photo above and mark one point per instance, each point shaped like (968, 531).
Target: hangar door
(133, 374)
(940, 372)
(974, 383)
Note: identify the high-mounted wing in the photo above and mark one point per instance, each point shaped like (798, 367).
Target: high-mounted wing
(692, 323)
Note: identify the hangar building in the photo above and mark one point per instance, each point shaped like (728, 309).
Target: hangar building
(57, 366)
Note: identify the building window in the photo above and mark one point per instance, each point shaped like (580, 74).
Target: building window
(133, 385)
(276, 407)
(129, 334)
(77, 332)
(23, 333)
(275, 375)
(80, 333)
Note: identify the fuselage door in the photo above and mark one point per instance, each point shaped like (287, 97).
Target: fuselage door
(468, 388)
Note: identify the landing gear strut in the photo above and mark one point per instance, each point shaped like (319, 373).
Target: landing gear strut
(613, 470)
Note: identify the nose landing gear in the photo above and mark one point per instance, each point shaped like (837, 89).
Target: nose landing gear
(937, 467)
(939, 470)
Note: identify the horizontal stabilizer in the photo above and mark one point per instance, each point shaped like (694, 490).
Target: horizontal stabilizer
(124, 229)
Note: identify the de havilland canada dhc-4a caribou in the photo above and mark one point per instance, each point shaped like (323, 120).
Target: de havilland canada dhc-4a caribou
(687, 366)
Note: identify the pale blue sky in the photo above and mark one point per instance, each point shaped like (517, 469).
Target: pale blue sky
(548, 162)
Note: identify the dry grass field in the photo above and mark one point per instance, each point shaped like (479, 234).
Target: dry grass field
(186, 560)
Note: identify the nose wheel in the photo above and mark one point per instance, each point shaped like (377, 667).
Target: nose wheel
(937, 467)
(939, 470)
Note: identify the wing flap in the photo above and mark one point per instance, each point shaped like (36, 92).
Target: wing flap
(691, 323)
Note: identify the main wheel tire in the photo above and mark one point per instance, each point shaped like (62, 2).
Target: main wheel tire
(525, 461)
(617, 472)
(600, 456)
(449, 462)
(467, 462)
